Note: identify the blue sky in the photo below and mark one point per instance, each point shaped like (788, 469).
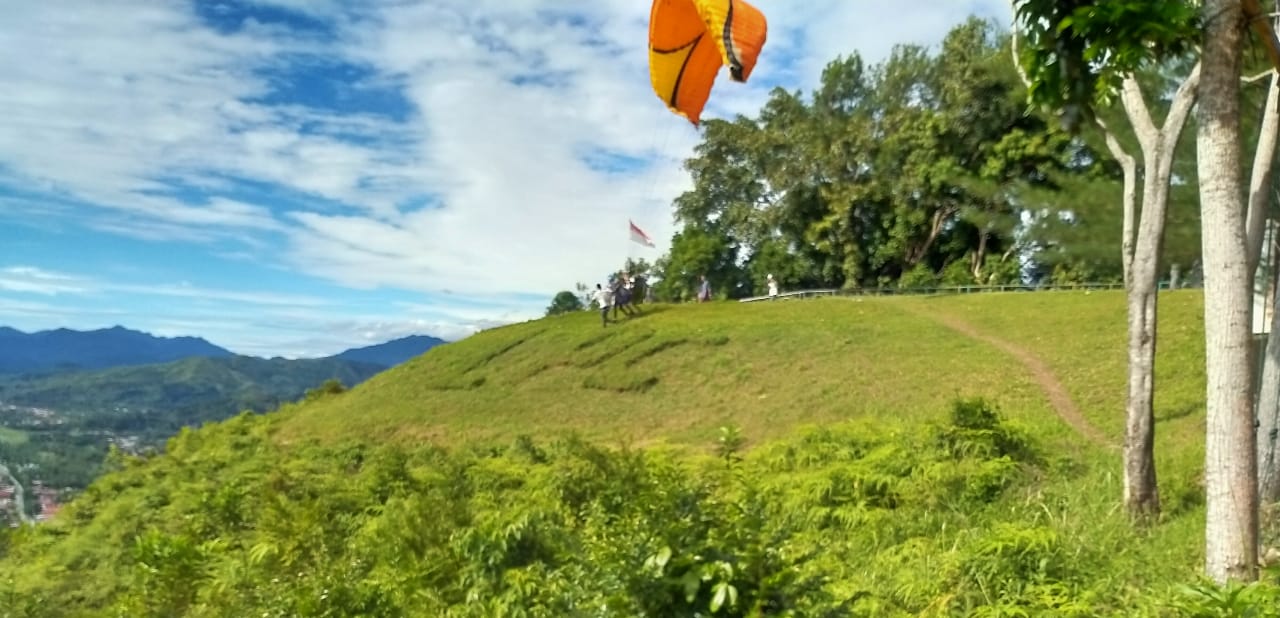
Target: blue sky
(296, 177)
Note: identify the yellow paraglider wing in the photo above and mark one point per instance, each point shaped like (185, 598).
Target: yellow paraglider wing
(740, 30)
(689, 40)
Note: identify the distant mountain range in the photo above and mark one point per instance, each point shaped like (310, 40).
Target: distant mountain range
(66, 394)
(391, 353)
(63, 349)
(68, 350)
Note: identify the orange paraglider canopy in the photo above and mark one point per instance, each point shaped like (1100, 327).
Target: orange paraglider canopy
(689, 40)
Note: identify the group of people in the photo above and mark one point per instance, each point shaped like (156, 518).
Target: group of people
(619, 296)
(704, 288)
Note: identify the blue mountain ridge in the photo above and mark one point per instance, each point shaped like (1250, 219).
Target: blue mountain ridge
(64, 349)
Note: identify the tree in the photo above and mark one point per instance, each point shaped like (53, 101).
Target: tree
(1231, 497)
(1129, 33)
(1065, 34)
(564, 302)
(584, 293)
(695, 252)
(910, 168)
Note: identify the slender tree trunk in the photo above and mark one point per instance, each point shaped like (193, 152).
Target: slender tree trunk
(1129, 167)
(1269, 407)
(1141, 493)
(1260, 176)
(935, 230)
(1269, 380)
(979, 256)
(1231, 489)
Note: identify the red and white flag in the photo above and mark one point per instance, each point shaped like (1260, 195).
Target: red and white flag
(639, 236)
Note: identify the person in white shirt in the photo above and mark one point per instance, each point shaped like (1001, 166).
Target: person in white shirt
(773, 287)
(604, 296)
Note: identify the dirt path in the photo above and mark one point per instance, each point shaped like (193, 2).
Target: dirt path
(1040, 372)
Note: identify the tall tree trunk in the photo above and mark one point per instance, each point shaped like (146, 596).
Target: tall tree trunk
(1231, 489)
(1141, 493)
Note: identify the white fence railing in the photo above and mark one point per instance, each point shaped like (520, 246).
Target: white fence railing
(944, 289)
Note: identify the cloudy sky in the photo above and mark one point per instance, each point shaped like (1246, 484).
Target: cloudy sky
(295, 177)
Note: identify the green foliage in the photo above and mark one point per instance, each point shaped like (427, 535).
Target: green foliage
(884, 175)
(227, 525)
(1208, 599)
(730, 444)
(329, 388)
(696, 252)
(921, 276)
(12, 437)
(564, 302)
(924, 505)
(1076, 53)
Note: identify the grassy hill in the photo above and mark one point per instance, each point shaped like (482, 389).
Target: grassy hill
(874, 479)
(677, 373)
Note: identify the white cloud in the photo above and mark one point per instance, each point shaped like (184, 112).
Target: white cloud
(22, 311)
(250, 322)
(113, 104)
(521, 210)
(28, 279)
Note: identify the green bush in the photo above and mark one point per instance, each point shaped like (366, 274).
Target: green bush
(859, 519)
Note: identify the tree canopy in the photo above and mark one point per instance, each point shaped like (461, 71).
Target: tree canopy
(925, 169)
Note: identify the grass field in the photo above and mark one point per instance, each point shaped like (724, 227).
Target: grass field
(12, 436)
(1082, 339)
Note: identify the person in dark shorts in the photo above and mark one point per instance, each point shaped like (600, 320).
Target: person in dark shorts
(622, 297)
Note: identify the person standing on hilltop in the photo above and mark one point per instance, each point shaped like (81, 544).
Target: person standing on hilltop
(704, 289)
(604, 297)
(773, 287)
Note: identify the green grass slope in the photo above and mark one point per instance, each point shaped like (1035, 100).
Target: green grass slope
(869, 485)
(675, 374)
